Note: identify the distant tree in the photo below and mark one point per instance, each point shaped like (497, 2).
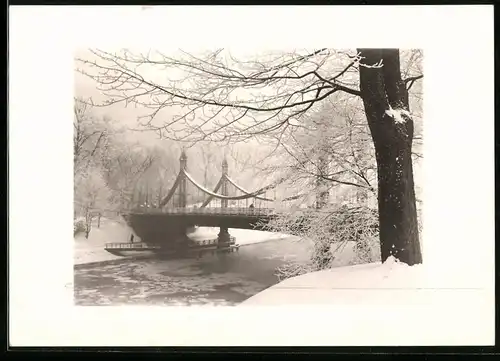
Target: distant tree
(332, 149)
(208, 164)
(90, 136)
(221, 98)
(91, 194)
(156, 180)
(110, 172)
(245, 164)
(123, 168)
(331, 154)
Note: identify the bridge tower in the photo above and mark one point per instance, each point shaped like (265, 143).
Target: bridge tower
(223, 238)
(183, 230)
(183, 180)
(224, 189)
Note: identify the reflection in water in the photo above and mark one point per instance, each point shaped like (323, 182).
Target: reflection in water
(215, 280)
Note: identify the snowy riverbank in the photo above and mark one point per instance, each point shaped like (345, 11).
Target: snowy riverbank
(357, 284)
(92, 249)
(392, 282)
(439, 306)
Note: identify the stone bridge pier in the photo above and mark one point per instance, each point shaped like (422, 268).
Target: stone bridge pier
(223, 238)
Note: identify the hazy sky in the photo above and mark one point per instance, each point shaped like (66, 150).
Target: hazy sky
(127, 116)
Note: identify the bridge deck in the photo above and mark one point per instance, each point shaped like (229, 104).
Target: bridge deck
(229, 211)
(131, 246)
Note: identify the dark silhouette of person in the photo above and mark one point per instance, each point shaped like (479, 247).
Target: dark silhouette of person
(251, 206)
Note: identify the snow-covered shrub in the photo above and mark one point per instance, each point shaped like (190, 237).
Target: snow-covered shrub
(79, 226)
(330, 230)
(293, 269)
(357, 224)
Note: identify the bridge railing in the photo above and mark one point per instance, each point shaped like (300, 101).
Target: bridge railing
(130, 246)
(141, 245)
(213, 241)
(201, 211)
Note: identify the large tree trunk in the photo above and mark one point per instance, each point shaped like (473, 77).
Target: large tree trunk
(386, 105)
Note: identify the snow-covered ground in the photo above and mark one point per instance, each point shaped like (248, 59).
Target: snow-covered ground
(92, 249)
(442, 306)
(374, 283)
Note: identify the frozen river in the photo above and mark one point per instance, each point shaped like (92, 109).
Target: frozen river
(212, 280)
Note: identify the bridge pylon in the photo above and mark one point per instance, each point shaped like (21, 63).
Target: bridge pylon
(224, 238)
(183, 194)
(224, 184)
(183, 180)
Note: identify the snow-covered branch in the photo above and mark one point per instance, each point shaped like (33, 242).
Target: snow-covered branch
(215, 96)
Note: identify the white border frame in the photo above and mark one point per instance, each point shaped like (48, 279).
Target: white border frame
(459, 206)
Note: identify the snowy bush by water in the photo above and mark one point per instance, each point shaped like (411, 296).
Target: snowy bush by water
(79, 226)
(331, 231)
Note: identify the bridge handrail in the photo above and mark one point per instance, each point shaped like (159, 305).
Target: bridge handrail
(212, 241)
(142, 245)
(202, 211)
(128, 245)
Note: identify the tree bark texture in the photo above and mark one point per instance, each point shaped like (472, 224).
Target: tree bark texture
(384, 94)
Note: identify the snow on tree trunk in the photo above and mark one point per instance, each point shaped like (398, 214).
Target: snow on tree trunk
(385, 99)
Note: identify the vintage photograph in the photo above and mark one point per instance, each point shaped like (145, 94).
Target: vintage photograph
(223, 177)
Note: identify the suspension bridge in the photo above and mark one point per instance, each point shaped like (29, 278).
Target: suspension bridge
(164, 227)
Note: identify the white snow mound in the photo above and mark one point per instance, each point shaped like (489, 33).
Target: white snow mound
(392, 282)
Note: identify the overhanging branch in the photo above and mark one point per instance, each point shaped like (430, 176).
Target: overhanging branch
(207, 91)
(412, 80)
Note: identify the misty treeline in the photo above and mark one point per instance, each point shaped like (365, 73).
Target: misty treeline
(113, 173)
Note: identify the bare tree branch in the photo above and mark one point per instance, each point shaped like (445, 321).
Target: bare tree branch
(412, 80)
(214, 100)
